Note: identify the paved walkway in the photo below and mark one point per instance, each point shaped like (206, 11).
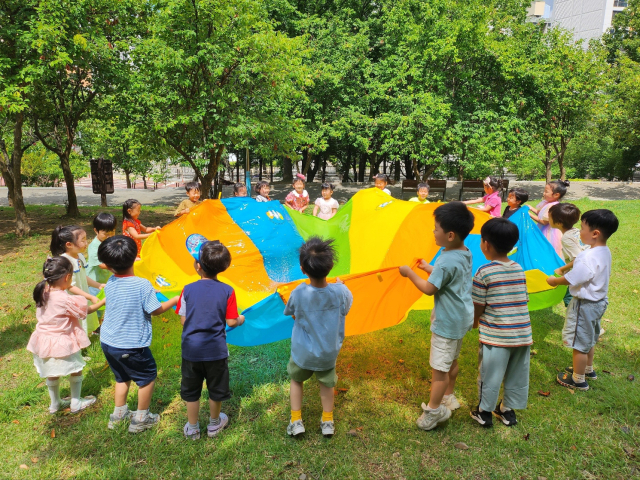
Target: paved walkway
(342, 193)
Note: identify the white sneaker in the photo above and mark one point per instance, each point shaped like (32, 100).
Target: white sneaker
(451, 402)
(83, 403)
(213, 430)
(430, 419)
(295, 428)
(328, 429)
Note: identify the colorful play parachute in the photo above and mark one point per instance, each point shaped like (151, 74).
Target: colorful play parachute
(374, 234)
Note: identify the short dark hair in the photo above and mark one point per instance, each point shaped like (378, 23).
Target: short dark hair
(501, 234)
(238, 186)
(192, 186)
(259, 185)
(382, 176)
(455, 217)
(521, 195)
(317, 257)
(215, 258)
(566, 214)
(423, 185)
(327, 186)
(105, 222)
(603, 220)
(559, 186)
(118, 253)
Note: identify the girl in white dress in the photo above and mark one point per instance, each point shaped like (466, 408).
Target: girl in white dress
(325, 207)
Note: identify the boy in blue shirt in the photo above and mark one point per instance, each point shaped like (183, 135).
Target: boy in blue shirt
(449, 282)
(126, 331)
(206, 307)
(319, 309)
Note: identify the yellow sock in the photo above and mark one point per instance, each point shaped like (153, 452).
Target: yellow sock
(296, 415)
(327, 416)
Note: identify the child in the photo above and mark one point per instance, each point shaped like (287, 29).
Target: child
(500, 298)
(563, 216)
(326, 207)
(381, 181)
(588, 282)
(239, 190)
(319, 309)
(492, 201)
(70, 242)
(516, 198)
(262, 189)
(298, 199)
(553, 193)
(104, 226)
(131, 226)
(206, 307)
(423, 193)
(126, 331)
(450, 284)
(58, 337)
(193, 192)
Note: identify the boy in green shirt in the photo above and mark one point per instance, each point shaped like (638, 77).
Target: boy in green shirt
(423, 193)
(104, 225)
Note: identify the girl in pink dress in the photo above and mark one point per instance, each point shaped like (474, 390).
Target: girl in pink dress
(492, 203)
(553, 193)
(59, 337)
(298, 199)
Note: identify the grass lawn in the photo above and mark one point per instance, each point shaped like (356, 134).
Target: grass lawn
(384, 376)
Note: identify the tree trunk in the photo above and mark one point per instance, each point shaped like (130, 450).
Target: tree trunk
(306, 162)
(127, 174)
(396, 171)
(72, 208)
(207, 180)
(408, 168)
(287, 169)
(144, 182)
(324, 169)
(374, 165)
(362, 167)
(428, 171)
(547, 162)
(103, 200)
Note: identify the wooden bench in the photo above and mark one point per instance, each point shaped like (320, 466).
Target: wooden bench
(478, 186)
(434, 186)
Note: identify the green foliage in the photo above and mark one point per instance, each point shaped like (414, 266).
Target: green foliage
(41, 168)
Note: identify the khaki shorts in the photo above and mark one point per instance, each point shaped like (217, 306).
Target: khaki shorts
(328, 378)
(444, 351)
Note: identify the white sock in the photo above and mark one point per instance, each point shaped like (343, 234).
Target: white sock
(120, 411)
(75, 382)
(577, 378)
(54, 393)
(193, 426)
(503, 408)
(588, 369)
(214, 421)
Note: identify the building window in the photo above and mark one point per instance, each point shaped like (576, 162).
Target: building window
(620, 3)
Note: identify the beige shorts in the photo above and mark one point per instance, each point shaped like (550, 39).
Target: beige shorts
(444, 351)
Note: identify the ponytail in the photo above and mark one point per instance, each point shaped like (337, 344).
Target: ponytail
(60, 236)
(494, 182)
(126, 206)
(559, 186)
(53, 270)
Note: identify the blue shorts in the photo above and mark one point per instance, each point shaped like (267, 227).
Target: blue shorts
(135, 364)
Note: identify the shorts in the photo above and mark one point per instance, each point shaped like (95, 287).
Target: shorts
(444, 351)
(582, 325)
(135, 364)
(328, 378)
(215, 372)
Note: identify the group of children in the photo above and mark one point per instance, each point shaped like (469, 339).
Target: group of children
(494, 300)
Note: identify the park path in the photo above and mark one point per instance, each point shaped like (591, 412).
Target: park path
(342, 193)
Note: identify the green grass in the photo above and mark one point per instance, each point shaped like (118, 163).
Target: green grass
(593, 434)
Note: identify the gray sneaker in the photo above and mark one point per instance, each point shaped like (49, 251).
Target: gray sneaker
(114, 420)
(191, 433)
(432, 418)
(149, 420)
(327, 428)
(213, 430)
(295, 428)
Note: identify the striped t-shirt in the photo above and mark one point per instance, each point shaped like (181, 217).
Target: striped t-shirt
(127, 316)
(502, 288)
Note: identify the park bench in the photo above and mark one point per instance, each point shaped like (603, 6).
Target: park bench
(436, 186)
(478, 186)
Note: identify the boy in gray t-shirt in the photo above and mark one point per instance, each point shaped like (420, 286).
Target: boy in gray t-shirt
(319, 310)
(450, 280)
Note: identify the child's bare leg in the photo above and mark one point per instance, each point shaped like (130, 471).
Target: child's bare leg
(580, 362)
(590, 356)
(214, 409)
(295, 396)
(439, 385)
(326, 396)
(193, 412)
(122, 390)
(144, 395)
(453, 375)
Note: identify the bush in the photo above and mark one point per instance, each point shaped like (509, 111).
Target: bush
(41, 168)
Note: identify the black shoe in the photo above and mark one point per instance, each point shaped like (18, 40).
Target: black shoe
(483, 418)
(590, 375)
(508, 417)
(566, 380)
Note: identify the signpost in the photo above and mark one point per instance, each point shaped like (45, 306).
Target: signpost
(102, 178)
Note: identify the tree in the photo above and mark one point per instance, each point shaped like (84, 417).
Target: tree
(214, 74)
(16, 78)
(83, 48)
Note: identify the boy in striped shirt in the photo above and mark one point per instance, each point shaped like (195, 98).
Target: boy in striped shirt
(500, 299)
